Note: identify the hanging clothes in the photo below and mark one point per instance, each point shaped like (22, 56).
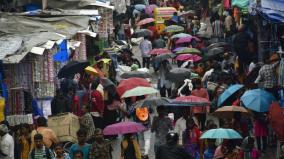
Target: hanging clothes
(2, 109)
(281, 73)
(227, 4)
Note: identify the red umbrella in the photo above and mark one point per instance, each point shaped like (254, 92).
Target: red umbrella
(186, 39)
(276, 119)
(123, 128)
(188, 57)
(159, 51)
(131, 83)
(191, 101)
(145, 21)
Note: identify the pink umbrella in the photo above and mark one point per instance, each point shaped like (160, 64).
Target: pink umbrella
(150, 9)
(186, 39)
(188, 57)
(159, 51)
(145, 21)
(191, 101)
(127, 127)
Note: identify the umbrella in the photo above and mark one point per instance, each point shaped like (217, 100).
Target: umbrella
(190, 101)
(159, 51)
(229, 92)
(221, 133)
(186, 39)
(156, 101)
(139, 74)
(91, 71)
(163, 57)
(229, 111)
(127, 84)
(71, 68)
(123, 128)
(179, 49)
(178, 74)
(180, 35)
(145, 21)
(150, 9)
(108, 84)
(215, 45)
(139, 91)
(276, 116)
(215, 51)
(189, 51)
(140, 7)
(188, 57)
(173, 29)
(142, 33)
(257, 100)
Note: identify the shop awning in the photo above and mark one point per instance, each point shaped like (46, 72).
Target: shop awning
(273, 10)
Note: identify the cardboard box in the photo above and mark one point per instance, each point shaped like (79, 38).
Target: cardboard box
(65, 126)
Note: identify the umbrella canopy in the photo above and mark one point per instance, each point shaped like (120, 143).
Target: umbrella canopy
(159, 51)
(123, 128)
(139, 91)
(189, 51)
(216, 45)
(257, 100)
(186, 39)
(180, 35)
(140, 7)
(156, 101)
(130, 83)
(276, 116)
(215, 51)
(179, 49)
(145, 21)
(163, 57)
(71, 68)
(191, 101)
(229, 111)
(139, 74)
(221, 133)
(174, 29)
(150, 9)
(142, 33)
(108, 84)
(178, 74)
(188, 57)
(228, 93)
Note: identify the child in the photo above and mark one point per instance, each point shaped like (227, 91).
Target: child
(60, 152)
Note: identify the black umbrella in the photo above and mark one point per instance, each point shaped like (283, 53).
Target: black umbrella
(71, 68)
(178, 74)
(142, 33)
(215, 51)
(216, 45)
(108, 85)
(139, 74)
(163, 57)
(156, 101)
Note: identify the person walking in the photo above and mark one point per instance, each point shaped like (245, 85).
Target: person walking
(191, 140)
(6, 143)
(59, 151)
(163, 83)
(86, 122)
(161, 125)
(218, 29)
(171, 150)
(40, 151)
(25, 141)
(145, 48)
(81, 145)
(130, 147)
(101, 148)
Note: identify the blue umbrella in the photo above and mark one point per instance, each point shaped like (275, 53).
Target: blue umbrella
(180, 35)
(228, 93)
(221, 133)
(258, 100)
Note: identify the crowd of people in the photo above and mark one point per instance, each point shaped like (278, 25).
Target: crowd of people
(178, 129)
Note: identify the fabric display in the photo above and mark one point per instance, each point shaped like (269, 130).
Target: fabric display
(45, 106)
(20, 119)
(105, 25)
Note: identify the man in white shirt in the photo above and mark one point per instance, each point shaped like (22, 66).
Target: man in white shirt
(145, 48)
(6, 143)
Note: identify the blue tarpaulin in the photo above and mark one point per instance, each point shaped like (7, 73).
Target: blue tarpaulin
(273, 10)
(62, 54)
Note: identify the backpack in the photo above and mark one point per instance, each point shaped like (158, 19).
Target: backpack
(47, 152)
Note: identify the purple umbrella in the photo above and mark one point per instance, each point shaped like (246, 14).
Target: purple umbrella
(186, 39)
(178, 49)
(187, 57)
(127, 127)
(150, 9)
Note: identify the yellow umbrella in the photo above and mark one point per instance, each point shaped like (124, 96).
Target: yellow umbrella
(90, 70)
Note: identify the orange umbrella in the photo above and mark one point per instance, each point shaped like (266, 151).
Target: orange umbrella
(229, 111)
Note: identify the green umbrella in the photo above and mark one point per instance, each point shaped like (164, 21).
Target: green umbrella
(221, 133)
(174, 29)
(189, 51)
(139, 91)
